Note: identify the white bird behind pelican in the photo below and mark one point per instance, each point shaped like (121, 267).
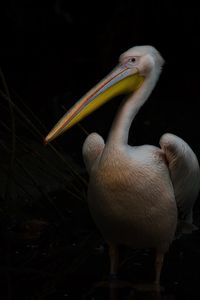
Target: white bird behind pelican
(136, 195)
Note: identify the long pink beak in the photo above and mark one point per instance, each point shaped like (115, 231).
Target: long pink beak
(121, 80)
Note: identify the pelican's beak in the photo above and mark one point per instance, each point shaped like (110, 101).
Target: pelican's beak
(121, 80)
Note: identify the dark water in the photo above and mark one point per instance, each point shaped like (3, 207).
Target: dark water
(54, 258)
(180, 277)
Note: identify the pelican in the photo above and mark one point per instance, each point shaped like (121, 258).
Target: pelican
(137, 195)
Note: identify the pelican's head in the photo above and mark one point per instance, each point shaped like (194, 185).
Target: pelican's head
(134, 66)
(145, 58)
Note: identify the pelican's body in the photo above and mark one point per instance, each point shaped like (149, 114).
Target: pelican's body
(131, 197)
(137, 194)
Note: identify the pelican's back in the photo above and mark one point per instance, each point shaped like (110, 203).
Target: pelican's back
(184, 172)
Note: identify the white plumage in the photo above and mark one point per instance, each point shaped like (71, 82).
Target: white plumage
(137, 194)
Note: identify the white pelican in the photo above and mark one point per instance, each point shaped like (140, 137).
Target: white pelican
(138, 194)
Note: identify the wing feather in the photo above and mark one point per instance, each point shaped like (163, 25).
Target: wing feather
(92, 149)
(184, 172)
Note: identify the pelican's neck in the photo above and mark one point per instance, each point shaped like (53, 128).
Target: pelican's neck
(120, 128)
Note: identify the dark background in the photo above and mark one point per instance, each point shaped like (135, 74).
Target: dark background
(51, 53)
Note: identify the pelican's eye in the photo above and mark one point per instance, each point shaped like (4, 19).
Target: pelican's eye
(132, 59)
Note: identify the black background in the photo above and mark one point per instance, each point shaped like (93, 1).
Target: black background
(51, 53)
